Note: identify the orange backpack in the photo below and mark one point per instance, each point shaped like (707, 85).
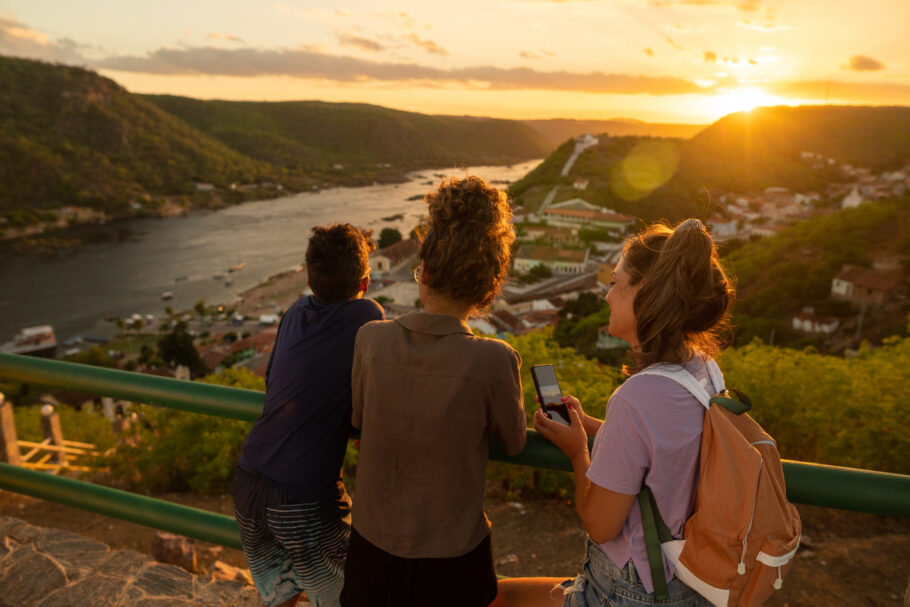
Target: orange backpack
(739, 543)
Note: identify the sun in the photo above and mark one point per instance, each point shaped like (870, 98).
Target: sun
(741, 100)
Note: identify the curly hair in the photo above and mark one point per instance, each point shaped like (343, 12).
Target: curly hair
(337, 259)
(466, 248)
(685, 300)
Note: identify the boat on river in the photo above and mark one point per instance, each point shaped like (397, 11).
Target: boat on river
(167, 295)
(237, 268)
(33, 341)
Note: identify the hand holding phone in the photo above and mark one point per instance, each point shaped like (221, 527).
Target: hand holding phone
(549, 394)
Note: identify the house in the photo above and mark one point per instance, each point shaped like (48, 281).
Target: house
(853, 199)
(560, 261)
(722, 228)
(606, 220)
(809, 322)
(553, 235)
(395, 256)
(865, 285)
(580, 183)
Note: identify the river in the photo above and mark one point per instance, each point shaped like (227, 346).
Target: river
(182, 255)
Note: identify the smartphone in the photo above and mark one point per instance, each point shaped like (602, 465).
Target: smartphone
(549, 394)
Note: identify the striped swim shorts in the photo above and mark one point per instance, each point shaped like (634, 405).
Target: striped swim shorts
(290, 546)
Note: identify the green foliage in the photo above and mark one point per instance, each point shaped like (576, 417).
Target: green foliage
(591, 382)
(388, 237)
(746, 151)
(830, 410)
(83, 427)
(176, 348)
(778, 276)
(178, 451)
(95, 356)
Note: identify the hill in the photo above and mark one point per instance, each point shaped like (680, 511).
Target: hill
(314, 136)
(71, 137)
(557, 130)
(747, 151)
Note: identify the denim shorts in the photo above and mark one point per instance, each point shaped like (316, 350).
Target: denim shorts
(604, 583)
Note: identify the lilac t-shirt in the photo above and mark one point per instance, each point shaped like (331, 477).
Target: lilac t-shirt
(651, 435)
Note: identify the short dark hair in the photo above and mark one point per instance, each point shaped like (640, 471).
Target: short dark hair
(337, 259)
(466, 247)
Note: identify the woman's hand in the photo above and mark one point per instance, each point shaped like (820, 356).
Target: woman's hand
(571, 439)
(590, 424)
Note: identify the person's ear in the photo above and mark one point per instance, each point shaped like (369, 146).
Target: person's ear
(365, 283)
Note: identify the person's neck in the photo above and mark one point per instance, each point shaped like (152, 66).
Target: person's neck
(434, 303)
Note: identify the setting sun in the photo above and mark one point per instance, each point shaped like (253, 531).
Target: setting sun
(742, 100)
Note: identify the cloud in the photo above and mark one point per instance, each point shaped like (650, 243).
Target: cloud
(364, 44)
(710, 57)
(226, 37)
(648, 51)
(427, 45)
(768, 27)
(529, 55)
(743, 5)
(19, 40)
(307, 63)
(840, 92)
(861, 63)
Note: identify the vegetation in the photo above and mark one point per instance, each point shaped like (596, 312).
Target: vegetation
(71, 137)
(388, 237)
(778, 276)
(746, 151)
(312, 137)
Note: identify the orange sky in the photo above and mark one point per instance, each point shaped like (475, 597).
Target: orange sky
(656, 60)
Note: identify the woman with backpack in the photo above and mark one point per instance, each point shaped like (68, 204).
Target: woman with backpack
(670, 299)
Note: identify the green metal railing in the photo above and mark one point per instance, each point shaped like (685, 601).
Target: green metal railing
(828, 486)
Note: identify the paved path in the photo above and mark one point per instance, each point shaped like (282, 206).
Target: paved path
(42, 567)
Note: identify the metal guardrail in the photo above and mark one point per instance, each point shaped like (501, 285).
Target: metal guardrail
(828, 486)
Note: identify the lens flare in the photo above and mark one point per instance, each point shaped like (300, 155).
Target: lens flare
(648, 166)
(742, 100)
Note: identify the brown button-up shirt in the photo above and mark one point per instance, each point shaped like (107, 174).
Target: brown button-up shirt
(428, 395)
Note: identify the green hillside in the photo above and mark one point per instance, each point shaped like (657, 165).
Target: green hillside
(778, 276)
(312, 136)
(747, 151)
(557, 130)
(70, 136)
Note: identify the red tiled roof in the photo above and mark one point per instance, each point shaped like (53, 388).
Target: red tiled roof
(869, 278)
(399, 251)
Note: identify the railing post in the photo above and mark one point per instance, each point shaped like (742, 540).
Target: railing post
(9, 442)
(50, 423)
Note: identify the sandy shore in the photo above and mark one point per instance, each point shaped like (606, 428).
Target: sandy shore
(280, 290)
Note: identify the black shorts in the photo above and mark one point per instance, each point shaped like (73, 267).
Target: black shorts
(375, 578)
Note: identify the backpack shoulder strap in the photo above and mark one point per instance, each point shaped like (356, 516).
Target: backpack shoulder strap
(687, 380)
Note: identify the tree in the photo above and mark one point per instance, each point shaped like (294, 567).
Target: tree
(176, 348)
(388, 237)
(169, 310)
(200, 307)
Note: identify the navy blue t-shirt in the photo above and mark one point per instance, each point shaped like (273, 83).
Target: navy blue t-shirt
(298, 442)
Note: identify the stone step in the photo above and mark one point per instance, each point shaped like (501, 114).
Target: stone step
(43, 567)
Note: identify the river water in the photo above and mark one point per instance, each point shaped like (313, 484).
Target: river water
(183, 255)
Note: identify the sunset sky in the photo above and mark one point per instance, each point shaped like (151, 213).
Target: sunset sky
(655, 60)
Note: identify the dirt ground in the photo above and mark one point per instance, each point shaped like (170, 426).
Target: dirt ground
(846, 558)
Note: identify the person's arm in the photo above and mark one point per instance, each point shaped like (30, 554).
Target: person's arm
(357, 384)
(603, 512)
(590, 424)
(508, 422)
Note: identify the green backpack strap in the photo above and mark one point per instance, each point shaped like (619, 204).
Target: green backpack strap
(732, 400)
(656, 532)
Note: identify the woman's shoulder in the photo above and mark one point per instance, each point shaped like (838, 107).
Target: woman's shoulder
(649, 389)
(495, 349)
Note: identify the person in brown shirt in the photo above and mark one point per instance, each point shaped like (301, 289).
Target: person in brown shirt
(428, 396)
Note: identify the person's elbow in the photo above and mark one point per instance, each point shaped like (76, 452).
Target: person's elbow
(601, 531)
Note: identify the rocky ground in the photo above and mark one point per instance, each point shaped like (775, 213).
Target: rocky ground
(846, 558)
